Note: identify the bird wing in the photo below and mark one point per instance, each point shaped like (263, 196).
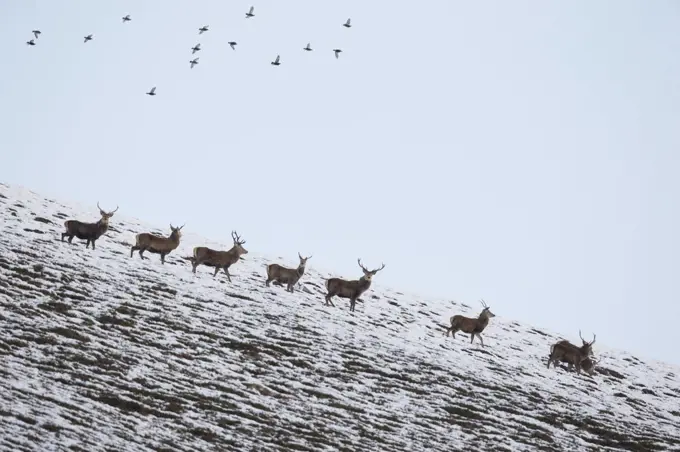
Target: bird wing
(348, 21)
(153, 90)
(252, 8)
(277, 58)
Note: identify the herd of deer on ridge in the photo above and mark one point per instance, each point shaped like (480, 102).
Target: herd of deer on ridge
(562, 351)
(197, 47)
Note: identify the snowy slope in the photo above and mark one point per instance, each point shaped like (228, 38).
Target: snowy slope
(100, 351)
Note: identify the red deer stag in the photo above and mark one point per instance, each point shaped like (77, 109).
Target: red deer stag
(88, 231)
(156, 244)
(469, 325)
(565, 351)
(219, 259)
(282, 275)
(350, 289)
(588, 364)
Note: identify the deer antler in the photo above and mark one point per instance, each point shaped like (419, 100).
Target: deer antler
(481, 300)
(579, 335)
(100, 209)
(111, 213)
(237, 238)
(378, 269)
(362, 267)
(300, 256)
(593, 341)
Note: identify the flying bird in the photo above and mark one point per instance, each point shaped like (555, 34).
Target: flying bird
(196, 48)
(347, 24)
(88, 38)
(36, 33)
(337, 53)
(193, 62)
(152, 92)
(31, 42)
(233, 44)
(126, 18)
(250, 14)
(203, 29)
(308, 48)
(276, 61)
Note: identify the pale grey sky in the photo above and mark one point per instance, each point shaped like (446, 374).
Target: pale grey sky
(525, 152)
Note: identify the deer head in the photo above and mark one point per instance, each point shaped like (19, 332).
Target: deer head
(368, 274)
(105, 215)
(238, 243)
(486, 312)
(176, 231)
(303, 260)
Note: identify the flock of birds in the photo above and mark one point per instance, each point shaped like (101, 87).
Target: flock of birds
(197, 47)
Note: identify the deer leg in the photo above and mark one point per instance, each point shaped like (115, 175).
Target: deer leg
(480, 339)
(162, 258)
(141, 252)
(63, 234)
(87, 244)
(70, 239)
(226, 270)
(93, 244)
(132, 250)
(328, 300)
(217, 269)
(266, 283)
(352, 303)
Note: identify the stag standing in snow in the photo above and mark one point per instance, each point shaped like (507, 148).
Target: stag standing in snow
(469, 325)
(282, 275)
(88, 231)
(350, 289)
(588, 364)
(565, 351)
(156, 244)
(219, 259)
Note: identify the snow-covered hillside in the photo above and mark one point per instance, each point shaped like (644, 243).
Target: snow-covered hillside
(100, 351)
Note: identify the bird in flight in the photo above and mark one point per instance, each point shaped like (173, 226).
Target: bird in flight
(233, 44)
(31, 42)
(250, 14)
(36, 33)
(152, 92)
(88, 38)
(308, 48)
(337, 53)
(203, 29)
(347, 24)
(276, 61)
(126, 18)
(193, 62)
(196, 48)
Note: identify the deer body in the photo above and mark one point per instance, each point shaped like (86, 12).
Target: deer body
(87, 231)
(157, 244)
(221, 260)
(472, 326)
(565, 351)
(283, 275)
(351, 289)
